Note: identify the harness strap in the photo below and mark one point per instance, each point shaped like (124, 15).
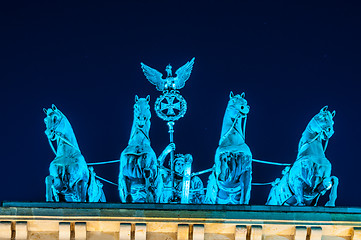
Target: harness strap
(105, 180)
(101, 163)
(52, 146)
(317, 136)
(262, 184)
(239, 115)
(271, 163)
(141, 130)
(67, 142)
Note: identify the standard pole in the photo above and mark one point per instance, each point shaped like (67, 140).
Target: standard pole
(171, 131)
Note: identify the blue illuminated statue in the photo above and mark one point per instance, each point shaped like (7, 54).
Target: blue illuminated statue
(170, 82)
(170, 106)
(310, 175)
(185, 188)
(138, 174)
(70, 179)
(230, 181)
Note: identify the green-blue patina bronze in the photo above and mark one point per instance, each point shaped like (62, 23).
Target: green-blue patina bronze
(70, 179)
(310, 175)
(230, 181)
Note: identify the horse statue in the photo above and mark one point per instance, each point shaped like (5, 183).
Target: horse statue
(310, 175)
(230, 180)
(138, 173)
(70, 179)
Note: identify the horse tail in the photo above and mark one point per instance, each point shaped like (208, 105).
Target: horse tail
(95, 188)
(212, 190)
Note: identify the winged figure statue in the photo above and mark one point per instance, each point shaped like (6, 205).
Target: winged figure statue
(170, 82)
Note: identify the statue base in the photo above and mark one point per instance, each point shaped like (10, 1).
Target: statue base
(43, 220)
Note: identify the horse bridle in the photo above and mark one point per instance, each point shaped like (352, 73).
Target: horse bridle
(58, 134)
(318, 135)
(243, 135)
(141, 130)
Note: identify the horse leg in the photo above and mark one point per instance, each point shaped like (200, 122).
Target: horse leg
(159, 189)
(123, 189)
(102, 197)
(49, 180)
(298, 191)
(128, 186)
(333, 193)
(148, 175)
(246, 179)
(82, 190)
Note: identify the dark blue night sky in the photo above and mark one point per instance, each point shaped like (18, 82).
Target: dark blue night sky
(290, 59)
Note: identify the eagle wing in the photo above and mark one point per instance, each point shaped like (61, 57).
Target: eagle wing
(153, 76)
(183, 73)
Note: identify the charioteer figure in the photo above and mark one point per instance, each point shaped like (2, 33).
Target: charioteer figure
(186, 188)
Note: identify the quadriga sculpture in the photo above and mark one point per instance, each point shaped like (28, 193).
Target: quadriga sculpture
(230, 181)
(70, 180)
(310, 175)
(138, 174)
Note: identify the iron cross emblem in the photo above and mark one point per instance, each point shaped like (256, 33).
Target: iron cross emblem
(170, 106)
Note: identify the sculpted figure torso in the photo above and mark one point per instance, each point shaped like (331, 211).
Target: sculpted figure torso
(230, 182)
(196, 189)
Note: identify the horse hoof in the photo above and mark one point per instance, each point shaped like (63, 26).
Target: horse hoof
(330, 204)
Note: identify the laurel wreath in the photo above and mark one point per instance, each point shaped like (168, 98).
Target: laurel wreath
(164, 116)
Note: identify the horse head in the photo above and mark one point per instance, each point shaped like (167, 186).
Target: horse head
(237, 105)
(54, 122)
(322, 123)
(142, 113)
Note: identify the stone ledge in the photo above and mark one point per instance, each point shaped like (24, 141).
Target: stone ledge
(168, 206)
(92, 221)
(235, 214)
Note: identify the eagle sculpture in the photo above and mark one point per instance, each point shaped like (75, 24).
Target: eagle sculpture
(170, 82)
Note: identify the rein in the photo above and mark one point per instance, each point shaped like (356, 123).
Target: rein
(58, 134)
(67, 142)
(317, 136)
(52, 146)
(141, 130)
(239, 115)
(55, 132)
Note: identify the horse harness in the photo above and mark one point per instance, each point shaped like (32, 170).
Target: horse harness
(239, 115)
(58, 134)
